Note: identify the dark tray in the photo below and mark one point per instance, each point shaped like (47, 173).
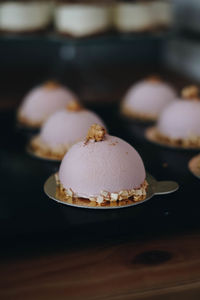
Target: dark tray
(25, 210)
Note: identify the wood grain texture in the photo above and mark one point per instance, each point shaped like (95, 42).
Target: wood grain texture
(120, 271)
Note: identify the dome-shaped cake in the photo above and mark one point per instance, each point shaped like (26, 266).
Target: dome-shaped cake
(63, 129)
(179, 123)
(103, 168)
(42, 101)
(194, 165)
(146, 99)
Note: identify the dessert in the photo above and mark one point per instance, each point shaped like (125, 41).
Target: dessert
(179, 123)
(81, 18)
(25, 16)
(102, 169)
(63, 129)
(42, 101)
(133, 16)
(194, 165)
(146, 99)
(162, 13)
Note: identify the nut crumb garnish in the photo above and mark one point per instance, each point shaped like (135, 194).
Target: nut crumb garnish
(74, 106)
(190, 92)
(41, 149)
(134, 195)
(51, 84)
(96, 133)
(154, 78)
(112, 144)
(189, 142)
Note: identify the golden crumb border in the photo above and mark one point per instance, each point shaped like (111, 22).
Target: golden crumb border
(25, 122)
(105, 198)
(131, 114)
(152, 134)
(42, 150)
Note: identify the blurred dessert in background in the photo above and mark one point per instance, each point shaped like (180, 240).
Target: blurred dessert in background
(194, 165)
(42, 101)
(179, 123)
(82, 18)
(102, 169)
(63, 129)
(142, 16)
(146, 99)
(25, 15)
(163, 13)
(133, 16)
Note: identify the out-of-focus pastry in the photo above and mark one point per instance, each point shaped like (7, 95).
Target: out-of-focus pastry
(133, 16)
(63, 129)
(25, 16)
(146, 99)
(41, 102)
(179, 123)
(82, 18)
(101, 169)
(162, 13)
(194, 165)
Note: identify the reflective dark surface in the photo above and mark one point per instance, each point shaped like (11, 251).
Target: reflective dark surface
(26, 211)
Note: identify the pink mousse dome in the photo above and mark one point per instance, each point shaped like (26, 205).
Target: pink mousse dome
(181, 119)
(147, 97)
(68, 127)
(42, 101)
(110, 165)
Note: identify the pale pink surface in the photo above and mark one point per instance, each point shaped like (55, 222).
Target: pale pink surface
(41, 102)
(110, 165)
(181, 119)
(149, 98)
(68, 127)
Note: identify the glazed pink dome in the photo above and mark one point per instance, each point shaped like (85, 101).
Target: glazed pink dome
(180, 119)
(110, 165)
(68, 127)
(44, 100)
(149, 97)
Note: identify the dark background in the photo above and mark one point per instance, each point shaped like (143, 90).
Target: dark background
(99, 69)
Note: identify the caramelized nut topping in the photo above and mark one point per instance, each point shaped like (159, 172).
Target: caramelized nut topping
(74, 106)
(154, 78)
(96, 132)
(51, 85)
(190, 92)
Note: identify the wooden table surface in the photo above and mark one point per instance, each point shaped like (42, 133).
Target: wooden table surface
(166, 268)
(156, 268)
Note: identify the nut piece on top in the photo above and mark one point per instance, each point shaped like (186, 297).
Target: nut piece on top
(42, 101)
(96, 133)
(62, 129)
(74, 106)
(146, 99)
(102, 169)
(190, 92)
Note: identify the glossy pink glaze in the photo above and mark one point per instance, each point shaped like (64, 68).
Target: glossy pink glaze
(149, 97)
(41, 102)
(181, 119)
(110, 165)
(68, 127)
